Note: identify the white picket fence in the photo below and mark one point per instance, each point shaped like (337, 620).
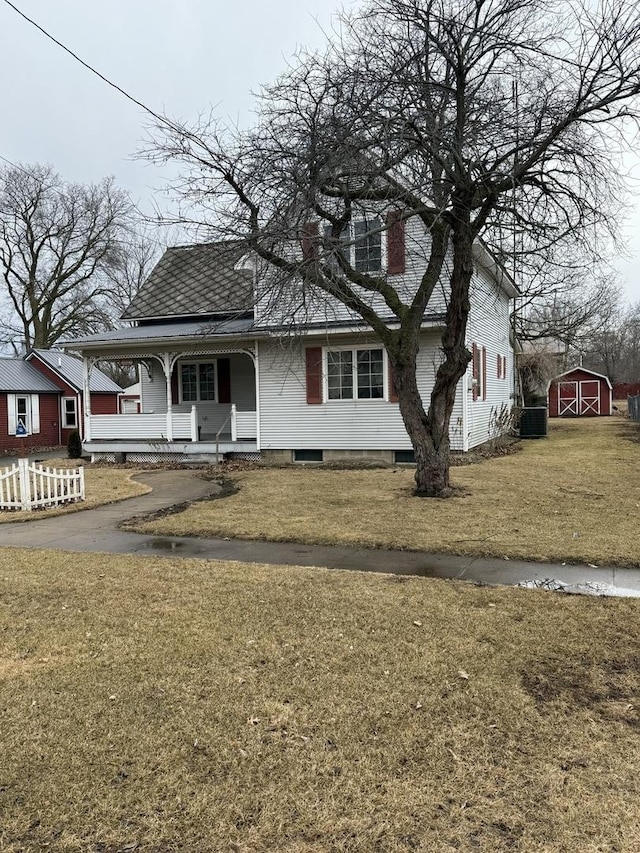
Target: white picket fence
(30, 485)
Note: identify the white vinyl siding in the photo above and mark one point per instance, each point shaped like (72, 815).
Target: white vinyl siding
(277, 306)
(488, 328)
(288, 422)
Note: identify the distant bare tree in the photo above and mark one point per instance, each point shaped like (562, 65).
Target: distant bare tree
(571, 312)
(59, 246)
(613, 348)
(130, 268)
(492, 119)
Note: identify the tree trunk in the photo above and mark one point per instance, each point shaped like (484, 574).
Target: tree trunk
(429, 431)
(432, 460)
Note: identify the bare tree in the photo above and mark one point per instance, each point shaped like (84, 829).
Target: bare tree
(130, 268)
(498, 120)
(572, 313)
(613, 347)
(58, 241)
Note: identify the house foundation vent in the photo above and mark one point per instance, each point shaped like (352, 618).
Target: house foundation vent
(533, 422)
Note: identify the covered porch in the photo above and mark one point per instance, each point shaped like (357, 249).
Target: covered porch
(145, 436)
(196, 404)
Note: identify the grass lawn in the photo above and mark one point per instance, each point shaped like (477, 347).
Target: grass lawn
(574, 496)
(157, 705)
(102, 486)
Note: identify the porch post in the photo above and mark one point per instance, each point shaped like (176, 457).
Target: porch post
(234, 423)
(194, 424)
(166, 366)
(256, 368)
(86, 397)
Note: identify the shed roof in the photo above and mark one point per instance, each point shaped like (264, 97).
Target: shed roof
(69, 368)
(18, 376)
(193, 280)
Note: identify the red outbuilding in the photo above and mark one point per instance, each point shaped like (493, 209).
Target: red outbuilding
(579, 393)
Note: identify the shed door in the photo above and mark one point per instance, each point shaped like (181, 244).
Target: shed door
(567, 398)
(590, 397)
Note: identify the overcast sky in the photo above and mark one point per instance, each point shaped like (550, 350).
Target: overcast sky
(177, 57)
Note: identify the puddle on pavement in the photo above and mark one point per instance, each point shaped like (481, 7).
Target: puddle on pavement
(163, 545)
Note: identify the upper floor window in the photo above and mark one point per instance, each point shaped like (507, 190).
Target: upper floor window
(367, 245)
(197, 382)
(355, 374)
(360, 244)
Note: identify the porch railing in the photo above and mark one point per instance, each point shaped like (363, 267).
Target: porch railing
(243, 425)
(161, 427)
(178, 426)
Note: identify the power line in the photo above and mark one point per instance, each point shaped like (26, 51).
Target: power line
(157, 116)
(163, 120)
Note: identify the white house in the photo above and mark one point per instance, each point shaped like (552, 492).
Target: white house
(228, 368)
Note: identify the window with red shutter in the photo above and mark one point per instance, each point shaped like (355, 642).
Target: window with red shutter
(313, 358)
(395, 243)
(484, 373)
(310, 241)
(475, 370)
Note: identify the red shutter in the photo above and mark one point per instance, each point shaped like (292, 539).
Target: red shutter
(224, 380)
(175, 395)
(393, 394)
(484, 373)
(499, 366)
(475, 369)
(314, 375)
(395, 243)
(309, 240)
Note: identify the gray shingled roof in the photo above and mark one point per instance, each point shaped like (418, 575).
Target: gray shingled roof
(18, 376)
(193, 280)
(69, 368)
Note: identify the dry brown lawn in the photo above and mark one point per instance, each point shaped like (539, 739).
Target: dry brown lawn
(163, 705)
(102, 486)
(574, 496)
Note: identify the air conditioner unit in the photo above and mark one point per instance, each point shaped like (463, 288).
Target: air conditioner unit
(533, 422)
